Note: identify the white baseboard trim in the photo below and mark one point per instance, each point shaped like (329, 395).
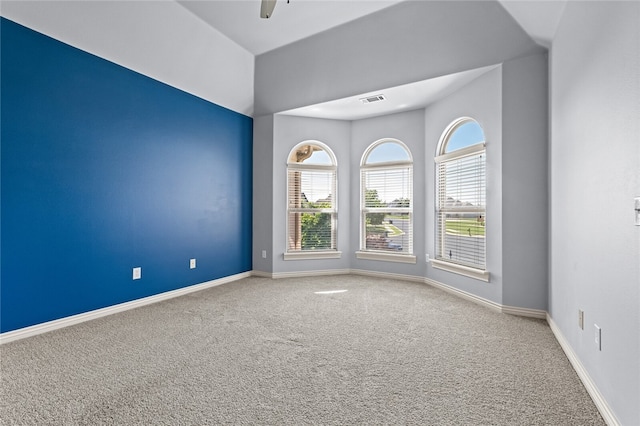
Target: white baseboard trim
(388, 275)
(45, 327)
(524, 312)
(465, 295)
(505, 309)
(300, 274)
(601, 403)
(512, 310)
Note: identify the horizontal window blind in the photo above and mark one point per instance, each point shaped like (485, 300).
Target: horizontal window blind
(311, 231)
(461, 211)
(311, 215)
(387, 208)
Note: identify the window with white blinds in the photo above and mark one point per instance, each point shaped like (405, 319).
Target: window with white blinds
(387, 199)
(311, 199)
(461, 198)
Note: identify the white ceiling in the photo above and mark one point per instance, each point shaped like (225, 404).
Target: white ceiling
(240, 21)
(539, 19)
(401, 98)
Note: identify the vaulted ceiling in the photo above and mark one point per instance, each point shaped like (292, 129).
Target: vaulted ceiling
(298, 19)
(308, 52)
(295, 20)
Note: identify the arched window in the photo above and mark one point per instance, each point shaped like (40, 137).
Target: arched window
(461, 198)
(386, 202)
(311, 199)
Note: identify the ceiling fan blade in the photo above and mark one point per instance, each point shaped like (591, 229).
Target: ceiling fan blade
(266, 8)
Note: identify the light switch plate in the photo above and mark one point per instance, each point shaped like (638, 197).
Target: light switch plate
(581, 319)
(137, 273)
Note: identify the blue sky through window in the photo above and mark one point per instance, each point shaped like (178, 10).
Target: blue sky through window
(469, 133)
(320, 158)
(388, 151)
(316, 185)
(392, 184)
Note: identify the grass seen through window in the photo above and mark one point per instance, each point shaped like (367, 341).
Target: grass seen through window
(465, 226)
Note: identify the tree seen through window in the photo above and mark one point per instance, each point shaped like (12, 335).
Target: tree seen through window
(311, 181)
(386, 212)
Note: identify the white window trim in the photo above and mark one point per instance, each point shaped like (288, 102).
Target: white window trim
(440, 263)
(462, 152)
(386, 257)
(363, 253)
(313, 254)
(477, 274)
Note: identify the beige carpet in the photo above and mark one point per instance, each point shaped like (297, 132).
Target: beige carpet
(261, 351)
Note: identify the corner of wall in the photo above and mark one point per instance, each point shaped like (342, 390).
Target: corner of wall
(263, 140)
(525, 181)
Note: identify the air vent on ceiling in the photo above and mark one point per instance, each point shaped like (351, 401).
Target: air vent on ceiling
(374, 98)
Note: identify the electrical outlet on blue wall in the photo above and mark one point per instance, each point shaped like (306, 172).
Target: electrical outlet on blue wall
(95, 161)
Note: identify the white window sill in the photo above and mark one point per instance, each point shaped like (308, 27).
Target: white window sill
(386, 257)
(477, 274)
(311, 255)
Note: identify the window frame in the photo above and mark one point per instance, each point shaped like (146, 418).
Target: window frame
(300, 254)
(442, 158)
(371, 254)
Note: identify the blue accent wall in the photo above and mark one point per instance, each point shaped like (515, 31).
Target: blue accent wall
(104, 169)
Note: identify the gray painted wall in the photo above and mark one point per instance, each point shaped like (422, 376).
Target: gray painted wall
(522, 283)
(348, 141)
(288, 132)
(430, 39)
(594, 154)
(263, 193)
(481, 100)
(595, 174)
(524, 182)
(407, 127)
(408, 42)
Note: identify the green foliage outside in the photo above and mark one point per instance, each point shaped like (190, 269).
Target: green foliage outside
(371, 200)
(393, 231)
(376, 229)
(386, 229)
(316, 231)
(376, 226)
(316, 228)
(469, 227)
(401, 202)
